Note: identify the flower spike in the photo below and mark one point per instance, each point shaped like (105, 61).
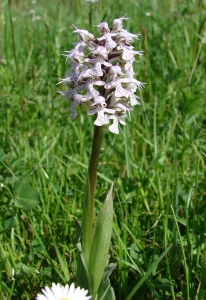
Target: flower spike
(101, 74)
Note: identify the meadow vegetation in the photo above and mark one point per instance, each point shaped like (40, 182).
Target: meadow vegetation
(157, 162)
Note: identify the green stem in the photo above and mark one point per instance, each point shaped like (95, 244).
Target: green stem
(88, 206)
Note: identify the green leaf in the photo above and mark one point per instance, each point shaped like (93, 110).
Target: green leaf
(25, 197)
(62, 262)
(8, 224)
(24, 183)
(24, 269)
(109, 269)
(100, 243)
(161, 160)
(8, 268)
(82, 270)
(134, 251)
(46, 273)
(161, 283)
(106, 292)
(182, 221)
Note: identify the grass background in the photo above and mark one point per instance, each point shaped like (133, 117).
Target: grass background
(157, 161)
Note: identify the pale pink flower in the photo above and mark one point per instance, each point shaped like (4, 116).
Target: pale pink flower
(101, 74)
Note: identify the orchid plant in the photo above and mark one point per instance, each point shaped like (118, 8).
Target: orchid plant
(100, 76)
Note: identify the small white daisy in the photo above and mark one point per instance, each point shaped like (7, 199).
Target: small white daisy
(58, 292)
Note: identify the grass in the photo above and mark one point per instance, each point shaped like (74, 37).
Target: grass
(157, 162)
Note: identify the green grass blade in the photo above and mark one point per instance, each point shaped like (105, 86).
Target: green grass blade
(149, 271)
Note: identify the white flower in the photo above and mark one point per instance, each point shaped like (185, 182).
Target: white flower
(77, 55)
(103, 28)
(91, 92)
(109, 42)
(117, 24)
(58, 292)
(98, 61)
(84, 35)
(126, 36)
(114, 72)
(99, 108)
(116, 120)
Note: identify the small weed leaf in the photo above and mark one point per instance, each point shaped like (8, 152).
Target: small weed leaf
(24, 269)
(8, 224)
(23, 183)
(24, 196)
(8, 268)
(105, 291)
(161, 283)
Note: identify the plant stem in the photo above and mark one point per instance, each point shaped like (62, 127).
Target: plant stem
(88, 206)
